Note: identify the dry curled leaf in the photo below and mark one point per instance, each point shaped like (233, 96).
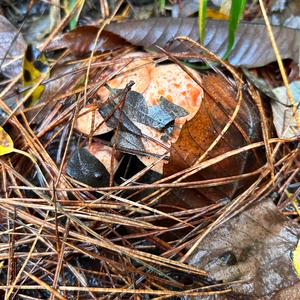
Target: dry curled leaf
(199, 133)
(254, 247)
(252, 47)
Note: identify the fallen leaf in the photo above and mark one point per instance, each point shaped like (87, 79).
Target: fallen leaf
(156, 116)
(128, 134)
(65, 78)
(252, 47)
(10, 48)
(254, 247)
(7, 146)
(283, 116)
(6, 143)
(129, 141)
(185, 9)
(86, 168)
(199, 133)
(81, 40)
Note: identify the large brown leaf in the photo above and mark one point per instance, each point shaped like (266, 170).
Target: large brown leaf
(252, 47)
(81, 40)
(198, 134)
(255, 247)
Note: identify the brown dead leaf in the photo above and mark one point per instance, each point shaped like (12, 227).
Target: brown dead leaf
(252, 47)
(199, 133)
(81, 41)
(255, 247)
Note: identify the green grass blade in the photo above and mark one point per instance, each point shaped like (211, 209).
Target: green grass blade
(162, 4)
(69, 6)
(202, 19)
(236, 12)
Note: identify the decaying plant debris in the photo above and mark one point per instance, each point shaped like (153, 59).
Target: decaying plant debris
(133, 190)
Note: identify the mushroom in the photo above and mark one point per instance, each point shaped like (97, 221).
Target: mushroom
(104, 153)
(84, 121)
(169, 81)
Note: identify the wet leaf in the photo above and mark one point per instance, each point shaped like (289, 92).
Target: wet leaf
(252, 47)
(15, 49)
(86, 168)
(199, 133)
(128, 135)
(129, 141)
(259, 83)
(156, 116)
(41, 18)
(135, 112)
(113, 114)
(35, 68)
(254, 247)
(80, 41)
(6, 143)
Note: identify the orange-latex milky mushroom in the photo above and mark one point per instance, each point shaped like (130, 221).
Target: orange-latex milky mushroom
(155, 81)
(104, 154)
(84, 121)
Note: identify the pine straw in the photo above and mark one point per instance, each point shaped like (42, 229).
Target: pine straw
(69, 239)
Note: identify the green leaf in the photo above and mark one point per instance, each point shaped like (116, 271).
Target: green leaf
(202, 19)
(236, 12)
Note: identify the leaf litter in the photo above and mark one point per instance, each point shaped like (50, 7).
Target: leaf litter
(255, 247)
(129, 232)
